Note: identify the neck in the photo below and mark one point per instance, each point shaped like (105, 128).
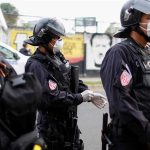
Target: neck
(139, 39)
(42, 49)
(45, 51)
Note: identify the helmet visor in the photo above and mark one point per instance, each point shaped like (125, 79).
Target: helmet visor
(32, 41)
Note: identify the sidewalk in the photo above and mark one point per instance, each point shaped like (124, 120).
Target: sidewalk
(94, 83)
(93, 79)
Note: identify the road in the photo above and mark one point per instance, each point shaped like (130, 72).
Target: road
(90, 123)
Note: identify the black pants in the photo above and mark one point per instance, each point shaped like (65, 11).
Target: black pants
(125, 140)
(4, 140)
(59, 136)
(128, 146)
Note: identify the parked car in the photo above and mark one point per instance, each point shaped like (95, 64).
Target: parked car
(14, 57)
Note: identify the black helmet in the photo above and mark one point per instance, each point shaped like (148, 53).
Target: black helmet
(44, 30)
(130, 15)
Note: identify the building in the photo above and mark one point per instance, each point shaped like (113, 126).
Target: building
(3, 28)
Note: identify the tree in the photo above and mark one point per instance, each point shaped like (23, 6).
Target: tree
(10, 13)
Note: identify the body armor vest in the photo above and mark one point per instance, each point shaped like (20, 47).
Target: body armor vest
(141, 78)
(58, 68)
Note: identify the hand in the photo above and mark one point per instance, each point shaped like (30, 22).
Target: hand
(87, 95)
(99, 100)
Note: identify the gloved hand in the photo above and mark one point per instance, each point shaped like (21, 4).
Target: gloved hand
(87, 95)
(99, 100)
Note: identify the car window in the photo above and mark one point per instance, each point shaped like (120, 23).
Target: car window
(7, 54)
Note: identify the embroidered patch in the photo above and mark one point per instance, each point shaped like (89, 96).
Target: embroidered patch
(52, 85)
(125, 78)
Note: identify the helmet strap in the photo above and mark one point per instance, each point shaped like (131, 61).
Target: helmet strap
(48, 50)
(138, 30)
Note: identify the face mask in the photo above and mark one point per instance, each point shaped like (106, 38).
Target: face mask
(58, 46)
(148, 28)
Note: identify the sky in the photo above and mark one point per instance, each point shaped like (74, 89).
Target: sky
(105, 11)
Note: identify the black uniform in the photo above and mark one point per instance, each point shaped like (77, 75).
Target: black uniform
(55, 112)
(125, 75)
(4, 138)
(18, 105)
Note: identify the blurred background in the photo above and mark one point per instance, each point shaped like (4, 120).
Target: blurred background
(90, 25)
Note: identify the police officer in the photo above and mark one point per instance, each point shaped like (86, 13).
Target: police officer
(125, 75)
(56, 121)
(4, 73)
(16, 131)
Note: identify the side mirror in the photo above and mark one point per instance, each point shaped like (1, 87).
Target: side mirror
(16, 56)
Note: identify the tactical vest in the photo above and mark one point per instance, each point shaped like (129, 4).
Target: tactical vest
(141, 77)
(58, 68)
(63, 120)
(60, 71)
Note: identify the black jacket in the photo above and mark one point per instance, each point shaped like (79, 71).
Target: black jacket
(126, 81)
(55, 81)
(5, 139)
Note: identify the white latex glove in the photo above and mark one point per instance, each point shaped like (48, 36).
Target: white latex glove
(99, 100)
(87, 95)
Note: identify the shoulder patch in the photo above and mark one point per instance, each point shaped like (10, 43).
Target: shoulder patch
(126, 76)
(52, 85)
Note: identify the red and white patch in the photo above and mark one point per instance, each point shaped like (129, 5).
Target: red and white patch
(52, 85)
(125, 78)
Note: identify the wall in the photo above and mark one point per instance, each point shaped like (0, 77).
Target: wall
(86, 50)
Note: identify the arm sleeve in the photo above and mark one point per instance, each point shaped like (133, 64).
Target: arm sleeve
(82, 87)
(52, 96)
(118, 90)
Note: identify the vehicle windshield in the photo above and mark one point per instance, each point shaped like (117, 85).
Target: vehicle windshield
(7, 54)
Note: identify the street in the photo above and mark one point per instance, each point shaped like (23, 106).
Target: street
(90, 124)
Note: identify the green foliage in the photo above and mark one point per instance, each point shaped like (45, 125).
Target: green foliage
(95, 83)
(10, 13)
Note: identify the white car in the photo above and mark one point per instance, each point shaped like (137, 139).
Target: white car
(14, 57)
